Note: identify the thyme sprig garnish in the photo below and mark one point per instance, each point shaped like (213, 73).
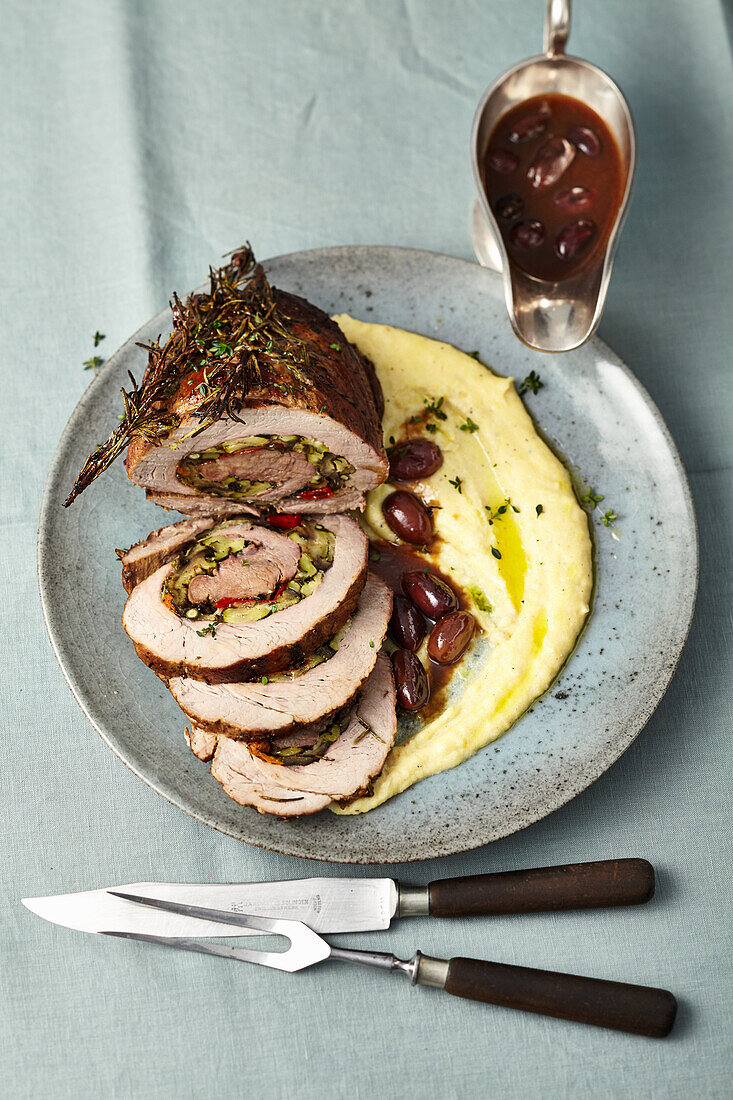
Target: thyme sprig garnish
(532, 382)
(224, 344)
(497, 513)
(591, 498)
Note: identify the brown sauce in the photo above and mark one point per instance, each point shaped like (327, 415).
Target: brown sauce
(393, 561)
(554, 181)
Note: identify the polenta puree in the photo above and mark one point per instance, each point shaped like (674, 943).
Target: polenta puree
(527, 567)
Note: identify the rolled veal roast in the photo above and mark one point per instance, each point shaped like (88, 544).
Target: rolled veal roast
(255, 402)
(258, 420)
(230, 600)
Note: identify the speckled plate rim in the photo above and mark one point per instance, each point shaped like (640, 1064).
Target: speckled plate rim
(289, 844)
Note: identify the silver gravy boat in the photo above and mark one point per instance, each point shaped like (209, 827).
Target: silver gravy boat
(551, 316)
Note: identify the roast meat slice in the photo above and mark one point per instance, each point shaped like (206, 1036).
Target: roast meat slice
(343, 500)
(248, 574)
(252, 711)
(155, 467)
(201, 743)
(358, 754)
(289, 470)
(233, 766)
(160, 546)
(176, 646)
(344, 772)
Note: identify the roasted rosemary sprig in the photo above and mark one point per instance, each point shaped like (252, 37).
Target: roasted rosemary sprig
(224, 344)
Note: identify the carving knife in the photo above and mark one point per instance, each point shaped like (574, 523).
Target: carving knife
(352, 904)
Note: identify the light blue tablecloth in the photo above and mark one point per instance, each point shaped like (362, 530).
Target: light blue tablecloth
(143, 139)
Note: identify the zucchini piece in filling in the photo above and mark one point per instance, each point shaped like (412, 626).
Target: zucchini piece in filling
(223, 578)
(258, 465)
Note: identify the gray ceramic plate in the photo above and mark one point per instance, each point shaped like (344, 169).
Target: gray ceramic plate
(591, 409)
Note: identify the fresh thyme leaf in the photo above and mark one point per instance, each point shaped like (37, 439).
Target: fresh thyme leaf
(392, 441)
(93, 364)
(496, 552)
(335, 347)
(457, 484)
(469, 426)
(500, 511)
(539, 509)
(431, 427)
(609, 517)
(210, 629)
(435, 408)
(265, 680)
(532, 382)
(592, 498)
(98, 337)
(374, 555)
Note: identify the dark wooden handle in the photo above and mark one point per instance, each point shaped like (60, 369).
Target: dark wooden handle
(636, 1008)
(576, 886)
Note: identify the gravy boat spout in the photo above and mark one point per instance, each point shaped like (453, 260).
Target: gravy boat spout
(552, 316)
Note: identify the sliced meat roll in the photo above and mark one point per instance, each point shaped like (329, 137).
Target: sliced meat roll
(239, 599)
(356, 756)
(233, 766)
(254, 711)
(292, 460)
(255, 401)
(343, 771)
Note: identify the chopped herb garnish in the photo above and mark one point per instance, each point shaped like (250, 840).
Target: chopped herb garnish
(495, 552)
(457, 484)
(371, 645)
(374, 555)
(265, 680)
(221, 347)
(435, 408)
(93, 364)
(539, 509)
(609, 517)
(210, 629)
(392, 441)
(335, 347)
(592, 498)
(500, 511)
(532, 382)
(415, 419)
(98, 337)
(470, 426)
(431, 427)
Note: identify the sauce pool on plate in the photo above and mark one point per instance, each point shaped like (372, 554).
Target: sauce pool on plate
(554, 181)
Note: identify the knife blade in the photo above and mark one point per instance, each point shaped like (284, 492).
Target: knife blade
(325, 904)
(352, 904)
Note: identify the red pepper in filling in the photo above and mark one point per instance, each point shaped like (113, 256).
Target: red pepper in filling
(229, 601)
(232, 601)
(316, 494)
(285, 523)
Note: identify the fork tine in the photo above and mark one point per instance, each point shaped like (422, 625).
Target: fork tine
(220, 916)
(310, 950)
